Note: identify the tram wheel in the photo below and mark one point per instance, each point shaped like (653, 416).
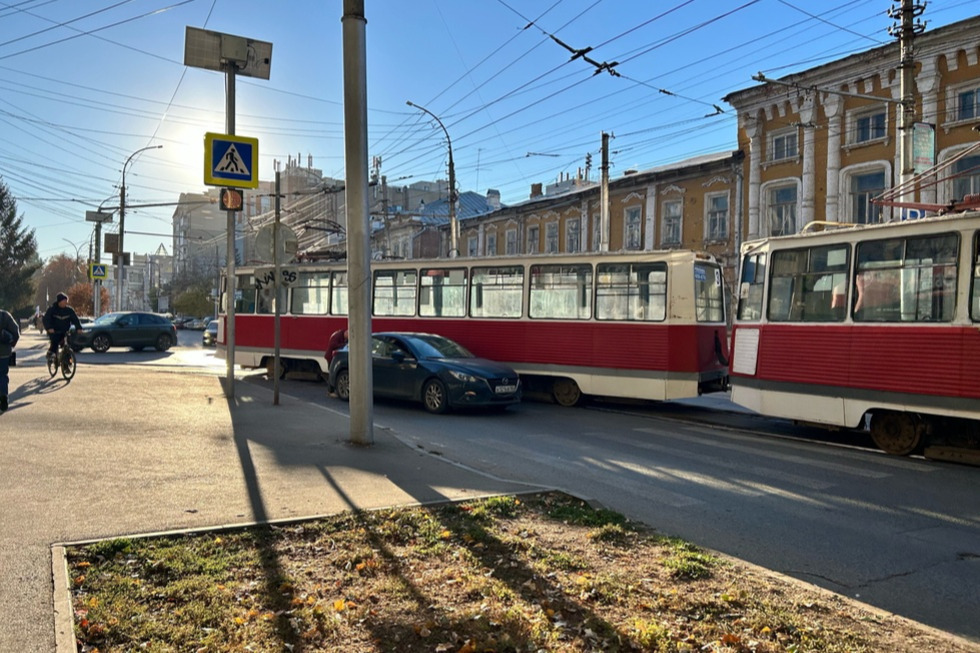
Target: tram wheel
(270, 365)
(899, 434)
(566, 392)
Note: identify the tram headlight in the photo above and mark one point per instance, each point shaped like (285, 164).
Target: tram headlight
(463, 376)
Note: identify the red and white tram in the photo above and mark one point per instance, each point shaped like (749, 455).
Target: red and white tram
(854, 323)
(646, 325)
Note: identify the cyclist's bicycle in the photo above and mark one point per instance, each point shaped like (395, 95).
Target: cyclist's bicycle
(64, 359)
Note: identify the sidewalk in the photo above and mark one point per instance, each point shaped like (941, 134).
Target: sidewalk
(129, 448)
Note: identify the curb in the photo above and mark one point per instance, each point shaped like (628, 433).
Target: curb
(64, 622)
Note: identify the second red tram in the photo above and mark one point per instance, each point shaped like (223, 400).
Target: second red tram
(872, 327)
(646, 325)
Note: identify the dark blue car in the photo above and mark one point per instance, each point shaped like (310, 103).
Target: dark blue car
(432, 369)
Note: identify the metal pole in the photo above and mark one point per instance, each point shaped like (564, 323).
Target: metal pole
(230, 282)
(275, 262)
(120, 255)
(453, 226)
(358, 227)
(96, 284)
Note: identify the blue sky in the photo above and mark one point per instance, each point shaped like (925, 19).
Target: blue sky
(84, 84)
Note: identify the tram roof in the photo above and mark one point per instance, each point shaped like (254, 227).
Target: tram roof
(858, 232)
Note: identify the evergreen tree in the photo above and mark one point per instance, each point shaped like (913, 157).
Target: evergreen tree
(18, 258)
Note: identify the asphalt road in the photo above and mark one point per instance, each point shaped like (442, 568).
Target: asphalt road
(902, 534)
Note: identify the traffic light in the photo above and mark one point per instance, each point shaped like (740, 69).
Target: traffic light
(231, 199)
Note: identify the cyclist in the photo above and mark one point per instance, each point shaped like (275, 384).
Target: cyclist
(58, 319)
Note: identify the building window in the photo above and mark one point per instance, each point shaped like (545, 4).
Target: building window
(673, 216)
(863, 188)
(966, 180)
(596, 232)
(511, 242)
(533, 240)
(491, 244)
(781, 210)
(968, 104)
(633, 226)
(551, 237)
(471, 246)
(716, 222)
(783, 145)
(573, 235)
(869, 126)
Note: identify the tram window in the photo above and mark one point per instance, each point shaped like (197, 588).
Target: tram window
(907, 279)
(561, 292)
(395, 292)
(709, 298)
(338, 293)
(245, 294)
(310, 294)
(497, 291)
(750, 287)
(809, 285)
(442, 293)
(631, 291)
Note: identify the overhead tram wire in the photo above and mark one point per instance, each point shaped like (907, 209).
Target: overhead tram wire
(56, 25)
(473, 68)
(98, 29)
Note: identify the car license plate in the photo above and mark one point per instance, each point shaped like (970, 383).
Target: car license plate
(505, 389)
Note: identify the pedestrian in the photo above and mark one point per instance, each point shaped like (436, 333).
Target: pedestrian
(9, 335)
(58, 319)
(338, 340)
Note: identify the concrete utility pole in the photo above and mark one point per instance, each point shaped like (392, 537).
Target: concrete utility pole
(907, 13)
(453, 226)
(604, 196)
(358, 223)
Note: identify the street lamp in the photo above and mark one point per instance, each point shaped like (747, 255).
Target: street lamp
(120, 256)
(453, 227)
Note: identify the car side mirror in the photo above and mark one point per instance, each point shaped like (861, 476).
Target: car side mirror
(398, 356)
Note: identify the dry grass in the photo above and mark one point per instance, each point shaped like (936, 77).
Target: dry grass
(536, 573)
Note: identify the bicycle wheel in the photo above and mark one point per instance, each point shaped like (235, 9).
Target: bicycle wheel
(67, 363)
(52, 364)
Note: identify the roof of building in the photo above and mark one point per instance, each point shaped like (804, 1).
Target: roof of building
(470, 205)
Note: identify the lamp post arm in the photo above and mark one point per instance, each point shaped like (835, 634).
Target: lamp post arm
(453, 224)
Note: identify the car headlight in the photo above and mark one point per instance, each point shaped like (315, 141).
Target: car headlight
(464, 377)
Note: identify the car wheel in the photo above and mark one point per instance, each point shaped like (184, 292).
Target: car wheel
(101, 343)
(164, 342)
(434, 396)
(342, 385)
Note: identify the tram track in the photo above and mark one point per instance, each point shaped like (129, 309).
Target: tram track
(761, 426)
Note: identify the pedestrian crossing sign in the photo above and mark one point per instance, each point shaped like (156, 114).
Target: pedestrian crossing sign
(231, 161)
(97, 271)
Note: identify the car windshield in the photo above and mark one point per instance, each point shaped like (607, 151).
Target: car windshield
(438, 347)
(107, 319)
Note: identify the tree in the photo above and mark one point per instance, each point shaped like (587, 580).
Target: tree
(195, 301)
(80, 298)
(61, 273)
(18, 257)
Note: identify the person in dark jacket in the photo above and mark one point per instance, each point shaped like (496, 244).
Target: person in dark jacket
(9, 335)
(58, 319)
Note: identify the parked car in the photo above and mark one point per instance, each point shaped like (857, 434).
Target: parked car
(210, 337)
(133, 329)
(434, 370)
